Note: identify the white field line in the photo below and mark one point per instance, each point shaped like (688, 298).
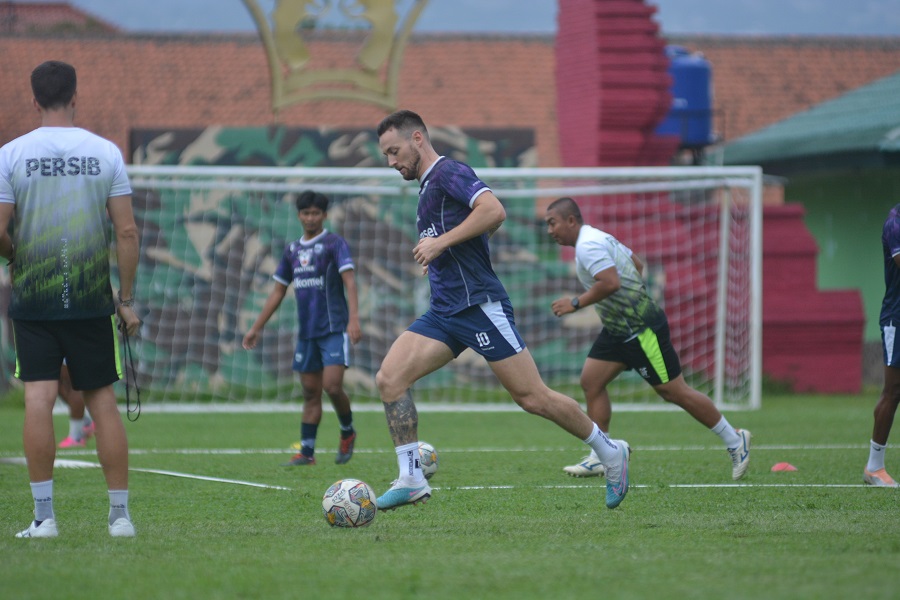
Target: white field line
(82, 464)
(79, 464)
(296, 407)
(63, 462)
(574, 449)
(670, 486)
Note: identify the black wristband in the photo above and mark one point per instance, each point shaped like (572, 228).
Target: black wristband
(575, 303)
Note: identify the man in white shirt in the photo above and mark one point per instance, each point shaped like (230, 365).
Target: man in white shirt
(635, 334)
(59, 186)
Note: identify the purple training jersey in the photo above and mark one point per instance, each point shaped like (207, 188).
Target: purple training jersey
(462, 276)
(315, 267)
(890, 244)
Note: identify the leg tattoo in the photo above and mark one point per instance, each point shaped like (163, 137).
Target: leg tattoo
(402, 419)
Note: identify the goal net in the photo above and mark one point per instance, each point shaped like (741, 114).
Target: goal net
(212, 237)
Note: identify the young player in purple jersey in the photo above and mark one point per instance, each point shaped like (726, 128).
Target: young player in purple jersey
(456, 215)
(875, 473)
(321, 268)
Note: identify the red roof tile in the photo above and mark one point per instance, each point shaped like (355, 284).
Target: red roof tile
(145, 81)
(48, 17)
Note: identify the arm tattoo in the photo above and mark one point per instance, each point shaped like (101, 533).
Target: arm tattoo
(402, 419)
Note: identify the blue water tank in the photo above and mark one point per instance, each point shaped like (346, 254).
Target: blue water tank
(690, 117)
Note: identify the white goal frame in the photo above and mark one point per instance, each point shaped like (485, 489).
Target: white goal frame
(730, 186)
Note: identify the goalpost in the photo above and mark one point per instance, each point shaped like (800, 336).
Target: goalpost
(212, 236)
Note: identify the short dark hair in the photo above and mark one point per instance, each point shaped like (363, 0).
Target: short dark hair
(53, 84)
(311, 199)
(567, 207)
(404, 121)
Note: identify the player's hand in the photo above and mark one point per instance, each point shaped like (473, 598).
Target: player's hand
(250, 339)
(427, 250)
(130, 322)
(354, 331)
(562, 306)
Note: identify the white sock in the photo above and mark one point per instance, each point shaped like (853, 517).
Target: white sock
(724, 430)
(42, 492)
(75, 429)
(408, 461)
(876, 457)
(605, 449)
(118, 505)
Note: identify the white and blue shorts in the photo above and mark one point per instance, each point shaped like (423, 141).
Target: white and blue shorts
(489, 329)
(889, 348)
(314, 354)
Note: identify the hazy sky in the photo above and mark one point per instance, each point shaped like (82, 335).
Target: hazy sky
(765, 17)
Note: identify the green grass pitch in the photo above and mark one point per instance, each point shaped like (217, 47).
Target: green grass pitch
(504, 521)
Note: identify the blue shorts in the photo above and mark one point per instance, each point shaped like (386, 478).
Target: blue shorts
(313, 355)
(889, 349)
(489, 329)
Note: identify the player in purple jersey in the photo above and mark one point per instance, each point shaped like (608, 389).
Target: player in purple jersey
(320, 266)
(875, 473)
(456, 215)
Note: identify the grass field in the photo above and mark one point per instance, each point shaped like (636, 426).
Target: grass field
(504, 521)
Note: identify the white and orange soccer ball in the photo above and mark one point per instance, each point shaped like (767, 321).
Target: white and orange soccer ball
(349, 503)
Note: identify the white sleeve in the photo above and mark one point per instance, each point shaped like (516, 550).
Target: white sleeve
(120, 184)
(594, 256)
(6, 190)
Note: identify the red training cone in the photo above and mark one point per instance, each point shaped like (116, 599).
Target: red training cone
(783, 466)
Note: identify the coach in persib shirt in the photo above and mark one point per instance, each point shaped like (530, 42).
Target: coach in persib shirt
(58, 183)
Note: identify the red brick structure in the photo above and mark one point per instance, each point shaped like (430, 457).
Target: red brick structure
(612, 84)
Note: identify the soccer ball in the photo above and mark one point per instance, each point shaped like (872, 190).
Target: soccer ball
(428, 459)
(349, 503)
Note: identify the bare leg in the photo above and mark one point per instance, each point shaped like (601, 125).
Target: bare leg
(72, 397)
(887, 406)
(520, 376)
(595, 376)
(312, 397)
(37, 433)
(112, 442)
(333, 382)
(411, 357)
(696, 404)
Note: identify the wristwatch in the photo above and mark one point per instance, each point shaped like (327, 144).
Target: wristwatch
(575, 303)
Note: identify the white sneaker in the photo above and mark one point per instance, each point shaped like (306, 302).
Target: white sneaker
(617, 476)
(401, 494)
(740, 456)
(590, 466)
(121, 527)
(47, 529)
(879, 478)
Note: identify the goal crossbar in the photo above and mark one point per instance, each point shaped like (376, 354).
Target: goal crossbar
(213, 235)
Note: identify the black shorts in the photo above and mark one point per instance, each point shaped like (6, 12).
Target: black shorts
(90, 348)
(650, 353)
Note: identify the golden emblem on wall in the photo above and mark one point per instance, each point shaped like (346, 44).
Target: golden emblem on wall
(360, 44)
